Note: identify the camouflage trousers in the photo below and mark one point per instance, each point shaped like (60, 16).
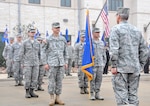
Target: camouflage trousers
(83, 80)
(18, 72)
(9, 66)
(95, 83)
(125, 87)
(31, 76)
(41, 74)
(69, 67)
(55, 77)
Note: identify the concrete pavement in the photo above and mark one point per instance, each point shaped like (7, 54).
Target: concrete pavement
(14, 96)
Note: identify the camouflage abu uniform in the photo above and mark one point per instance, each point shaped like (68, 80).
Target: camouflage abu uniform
(128, 53)
(7, 54)
(79, 50)
(18, 72)
(70, 57)
(41, 66)
(99, 63)
(30, 55)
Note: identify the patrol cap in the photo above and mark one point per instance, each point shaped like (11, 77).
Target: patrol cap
(56, 25)
(123, 12)
(82, 31)
(11, 38)
(31, 30)
(82, 34)
(19, 36)
(39, 38)
(96, 30)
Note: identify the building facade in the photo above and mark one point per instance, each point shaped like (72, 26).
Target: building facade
(70, 13)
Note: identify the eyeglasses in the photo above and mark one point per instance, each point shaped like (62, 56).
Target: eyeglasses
(32, 32)
(57, 27)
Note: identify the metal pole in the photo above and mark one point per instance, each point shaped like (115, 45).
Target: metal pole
(100, 13)
(19, 18)
(79, 14)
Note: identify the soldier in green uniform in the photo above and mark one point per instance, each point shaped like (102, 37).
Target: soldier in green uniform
(56, 62)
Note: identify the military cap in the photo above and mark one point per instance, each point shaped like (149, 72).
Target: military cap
(31, 30)
(11, 38)
(82, 31)
(39, 38)
(82, 34)
(123, 11)
(96, 30)
(56, 25)
(18, 35)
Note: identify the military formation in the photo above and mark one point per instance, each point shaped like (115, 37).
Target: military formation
(29, 59)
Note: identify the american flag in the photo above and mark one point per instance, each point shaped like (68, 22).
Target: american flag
(104, 15)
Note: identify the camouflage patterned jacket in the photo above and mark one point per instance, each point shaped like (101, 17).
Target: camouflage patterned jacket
(78, 53)
(99, 53)
(128, 48)
(7, 52)
(15, 51)
(70, 50)
(30, 53)
(55, 52)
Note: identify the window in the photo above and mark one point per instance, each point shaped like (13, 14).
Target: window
(69, 37)
(66, 3)
(34, 1)
(114, 4)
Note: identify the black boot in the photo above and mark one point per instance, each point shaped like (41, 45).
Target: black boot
(86, 91)
(20, 83)
(8, 75)
(33, 94)
(82, 91)
(16, 84)
(40, 88)
(27, 94)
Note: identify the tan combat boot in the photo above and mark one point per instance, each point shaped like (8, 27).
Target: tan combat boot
(52, 100)
(58, 101)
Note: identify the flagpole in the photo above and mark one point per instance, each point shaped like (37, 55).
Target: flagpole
(99, 14)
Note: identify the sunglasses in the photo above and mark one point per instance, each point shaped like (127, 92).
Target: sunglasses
(57, 27)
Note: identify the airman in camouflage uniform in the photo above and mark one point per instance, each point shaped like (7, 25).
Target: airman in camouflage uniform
(99, 63)
(79, 50)
(29, 55)
(18, 72)
(41, 66)
(56, 61)
(7, 54)
(128, 53)
(70, 50)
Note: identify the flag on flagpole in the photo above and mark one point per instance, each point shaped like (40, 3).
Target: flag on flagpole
(104, 16)
(78, 38)
(103, 38)
(61, 33)
(47, 34)
(37, 34)
(66, 36)
(5, 36)
(88, 55)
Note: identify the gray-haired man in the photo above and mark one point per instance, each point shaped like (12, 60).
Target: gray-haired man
(128, 53)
